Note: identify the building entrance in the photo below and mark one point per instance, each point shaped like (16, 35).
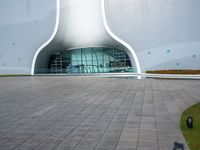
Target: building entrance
(89, 60)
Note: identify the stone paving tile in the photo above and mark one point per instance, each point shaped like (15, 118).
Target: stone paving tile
(80, 113)
(127, 144)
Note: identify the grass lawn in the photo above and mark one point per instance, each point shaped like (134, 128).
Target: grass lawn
(192, 136)
(13, 75)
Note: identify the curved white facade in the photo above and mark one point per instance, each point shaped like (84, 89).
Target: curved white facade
(163, 34)
(81, 24)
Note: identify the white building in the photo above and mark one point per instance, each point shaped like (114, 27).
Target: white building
(95, 36)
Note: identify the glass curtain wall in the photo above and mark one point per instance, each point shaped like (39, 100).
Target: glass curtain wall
(90, 60)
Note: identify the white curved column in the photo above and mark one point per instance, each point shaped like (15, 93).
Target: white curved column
(82, 23)
(137, 64)
(49, 40)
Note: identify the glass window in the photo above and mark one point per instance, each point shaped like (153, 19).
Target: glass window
(89, 60)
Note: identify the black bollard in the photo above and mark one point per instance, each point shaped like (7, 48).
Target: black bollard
(189, 122)
(178, 146)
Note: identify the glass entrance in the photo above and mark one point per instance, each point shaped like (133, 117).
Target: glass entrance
(89, 60)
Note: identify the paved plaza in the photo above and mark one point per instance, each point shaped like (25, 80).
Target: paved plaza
(88, 113)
